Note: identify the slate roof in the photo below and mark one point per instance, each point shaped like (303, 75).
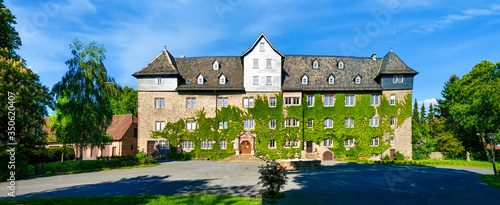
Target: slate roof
(120, 125)
(191, 68)
(295, 66)
(164, 65)
(392, 64)
(255, 44)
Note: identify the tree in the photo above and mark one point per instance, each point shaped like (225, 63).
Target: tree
(446, 142)
(416, 115)
(84, 98)
(422, 114)
(476, 107)
(9, 38)
(125, 102)
(447, 93)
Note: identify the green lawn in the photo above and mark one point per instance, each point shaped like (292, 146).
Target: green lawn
(146, 199)
(491, 180)
(462, 163)
(70, 167)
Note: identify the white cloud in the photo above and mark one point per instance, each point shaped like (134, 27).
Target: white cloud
(453, 18)
(427, 102)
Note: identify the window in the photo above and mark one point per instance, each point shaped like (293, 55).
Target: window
(262, 48)
(248, 123)
(400, 79)
(393, 99)
(375, 100)
(135, 132)
(296, 143)
(349, 122)
(164, 144)
(160, 125)
(222, 125)
(272, 102)
(304, 79)
(397, 79)
(349, 142)
(292, 101)
(315, 64)
(272, 123)
(328, 100)
(287, 143)
(374, 142)
(215, 66)
(358, 79)
(255, 63)
(158, 80)
(255, 80)
(269, 80)
(393, 121)
(349, 100)
(328, 123)
(268, 63)
(159, 102)
(374, 122)
(392, 140)
(222, 80)
(310, 101)
(291, 122)
(310, 123)
(248, 102)
(187, 144)
(341, 64)
(222, 101)
(191, 125)
(200, 79)
(190, 102)
(206, 144)
(223, 144)
(328, 143)
(272, 144)
(131, 147)
(331, 80)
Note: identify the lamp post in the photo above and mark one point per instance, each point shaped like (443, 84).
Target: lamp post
(492, 137)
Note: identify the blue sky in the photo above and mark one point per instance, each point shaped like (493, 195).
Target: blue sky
(435, 37)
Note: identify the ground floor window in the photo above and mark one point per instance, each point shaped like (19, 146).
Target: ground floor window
(328, 143)
(206, 144)
(374, 155)
(392, 140)
(222, 144)
(374, 142)
(349, 142)
(164, 144)
(189, 144)
(296, 143)
(272, 144)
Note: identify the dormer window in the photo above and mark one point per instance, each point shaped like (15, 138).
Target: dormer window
(305, 80)
(331, 80)
(262, 48)
(215, 66)
(358, 79)
(200, 79)
(341, 64)
(315, 64)
(222, 80)
(158, 80)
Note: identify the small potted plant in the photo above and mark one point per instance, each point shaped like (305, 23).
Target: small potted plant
(273, 178)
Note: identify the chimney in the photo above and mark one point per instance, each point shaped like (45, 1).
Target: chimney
(374, 57)
(183, 56)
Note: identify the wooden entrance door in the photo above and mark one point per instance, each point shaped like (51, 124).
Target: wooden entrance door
(245, 147)
(392, 152)
(309, 146)
(151, 147)
(327, 155)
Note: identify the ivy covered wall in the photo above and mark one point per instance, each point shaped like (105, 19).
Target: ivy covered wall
(361, 112)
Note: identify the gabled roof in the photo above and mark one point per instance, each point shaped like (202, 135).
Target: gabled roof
(392, 64)
(295, 66)
(163, 65)
(120, 125)
(191, 68)
(257, 41)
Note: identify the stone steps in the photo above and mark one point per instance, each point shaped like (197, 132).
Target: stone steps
(242, 158)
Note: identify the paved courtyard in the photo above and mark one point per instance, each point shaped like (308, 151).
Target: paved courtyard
(336, 183)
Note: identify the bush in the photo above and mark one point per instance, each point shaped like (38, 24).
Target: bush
(52, 154)
(141, 155)
(399, 156)
(272, 177)
(386, 158)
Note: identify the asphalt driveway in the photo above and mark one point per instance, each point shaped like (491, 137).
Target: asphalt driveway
(336, 183)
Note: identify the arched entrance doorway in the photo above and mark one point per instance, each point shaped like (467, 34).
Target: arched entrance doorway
(327, 156)
(245, 147)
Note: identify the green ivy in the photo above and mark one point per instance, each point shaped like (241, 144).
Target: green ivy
(208, 128)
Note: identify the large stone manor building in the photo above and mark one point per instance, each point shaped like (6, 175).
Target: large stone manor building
(311, 106)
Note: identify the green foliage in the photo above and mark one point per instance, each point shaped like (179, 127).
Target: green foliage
(52, 154)
(9, 38)
(125, 102)
(272, 177)
(399, 156)
(141, 155)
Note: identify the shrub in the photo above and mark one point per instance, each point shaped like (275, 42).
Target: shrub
(399, 156)
(386, 158)
(272, 177)
(141, 155)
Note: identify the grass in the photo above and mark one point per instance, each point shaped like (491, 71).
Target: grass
(71, 167)
(493, 180)
(146, 199)
(461, 163)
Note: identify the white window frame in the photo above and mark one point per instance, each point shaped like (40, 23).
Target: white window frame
(164, 145)
(349, 142)
(395, 79)
(269, 63)
(272, 102)
(223, 144)
(296, 143)
(221, 125)
(328, 100)
(292, 100)
(159, 102)
(191, 125)
(222, 80)
(328, 142)
(341, 64)
(269, 80)
(248, 124)
(255, 63)
(262, 47)
(225, 125)
(349, 122)
(328, 123)
(393, 121)
(291, 122)
(200, 80)
(310, 100)
(400, 79)
(315, 64)
(350, 100)
(190, 102)
(310, 123)
(305, 80)
(160, 125)
(374, 142)
(187, 144)
(392, 139)
(331, 80)
(203, 144)
(358, 79)
(215, 65)
(158, 80)
(222, 101)
(375, 100)
(393, 99)
(255, 80)
(272, 144)
(248, 102)
(374, 122)
(287, 143)
(272, 124)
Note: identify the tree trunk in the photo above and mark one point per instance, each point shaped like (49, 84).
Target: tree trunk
(62, 155)
(485, 147)
(81, 154)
